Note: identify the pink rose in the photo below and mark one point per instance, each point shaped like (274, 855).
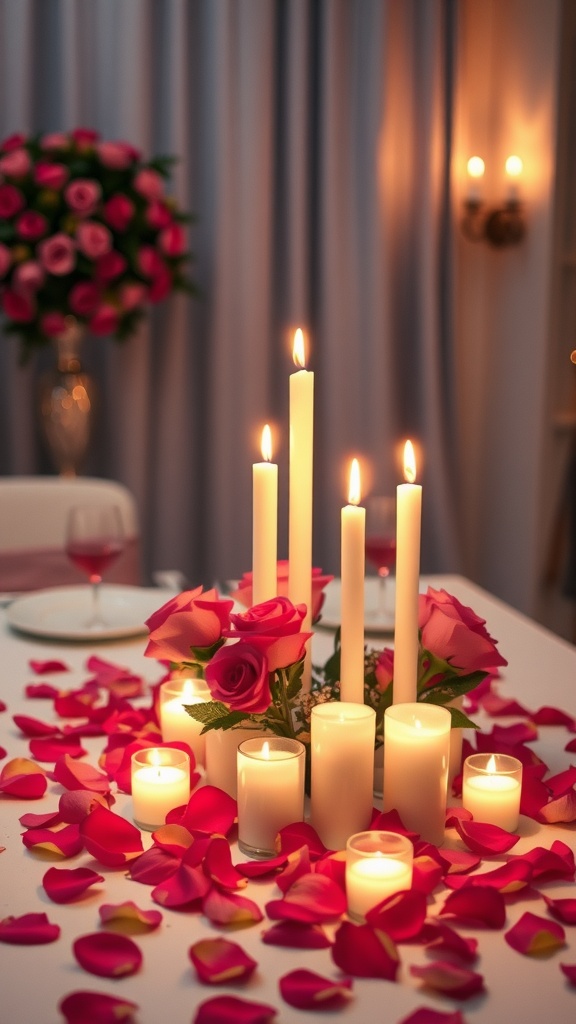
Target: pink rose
(52, 324)
(84, 298)
(93, 239)
(192, 619)
(384, 669)
(5, 259)
(161, 285)
(31, 225)
(11, 201)
(158, 215)
(172, 240)
(84, 137)
(15, 141)
(275, 626)
(55, 140)
(149, 183)
(111, 265)
(243, 593)
(456, 634)
(238, 675)
(18, 306)
(105, 320)
(132, 295)
(48, 175)
(28, 276)
(83, 195)
(150, 262)
(57, 254)
(16, 163)
(116, 155)
(118, 212)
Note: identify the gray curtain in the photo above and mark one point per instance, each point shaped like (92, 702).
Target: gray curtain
(314, 144)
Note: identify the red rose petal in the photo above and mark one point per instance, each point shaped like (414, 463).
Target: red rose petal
(53, 747)
(307, 990)
(218, 866)
(448, 978)
(108, 955)
(557, 862)
(298, 864)
(424, 1015)
(182, 887)
(553, 716)
(218, 961)
(153, 866)
(65, 842)
(442, 938)
(460, 861)
(34, 727)
(75, 804)
(296, 936)
(562, 782)
(261, 868)
(311, 900)
(427, 873)
(63, 885)
(494, 705)
(128, 915)
(75, 703)
(363, 952)
(299, 834)
(569, 970)
(521, 732)
(23, 778)
(41, 691)
(229, 909)
(401, 916)
(109, 838)
(32, 820)
(333, 865)
(211, 811)
(233, 1010)
(28, 930)
(561, 809)
(534, 792)
(42, 666)
(484, 839)
(562, 910)
(535, 936)
(454, 814)
(390, 821)
(508, 878)
(96, 1008)
(78, 775)
(476, 905)
(175, 839)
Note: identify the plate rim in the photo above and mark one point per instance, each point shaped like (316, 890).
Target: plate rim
(80, 634)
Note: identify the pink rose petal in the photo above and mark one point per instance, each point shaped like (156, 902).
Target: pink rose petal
(261, 868)
(450, 979)
(477, 905)
(96, 1008)
(296, 936)
(218, 961)
(401, 916)
(175, 839)
(46, 665)
(34, 727)
(78, 775)
(63, 885)
(312, 899)
(485, 839)
(109, 838)
(363, 952)
(233, 1010)
(229, 909)
(28, 930)
(182, 887)
(108, 955)
(553, 716)
(75, 804)
(443, 939)
(307, 990)
(23, 778)
(51, 748)
(425, 1015)
(562, 910)
(569, 970)
(460, 861)
(65, 842)
(129, 917)
(210, 811)
(153, 866)
(218, 866)
(561, 809)
(555, 863)
(535, 936)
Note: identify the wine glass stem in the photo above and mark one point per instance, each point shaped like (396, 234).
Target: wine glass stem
(96, 618)
(383, 593)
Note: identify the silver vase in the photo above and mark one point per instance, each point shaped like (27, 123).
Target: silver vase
(66, 400)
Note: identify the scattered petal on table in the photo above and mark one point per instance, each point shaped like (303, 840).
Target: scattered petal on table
(299, 834)
(454, 814)
(427, 873)
(563, 808)
(45, 665)
(218, 961)
(297, 864)
(107, 954)
(63, 885)
(494, 705)
(175, 839)
(28, 930)
(460, 861)
(182, 887)
(535, 936)
(569, 970)
(210, 810)
(32, 820)
(109, 838)
(227, 908)
(23, 778)
(448, 978)
(75, 804)
(442, 938)
(65, 842)
(520, 732)
(364, 952)
(233, 1010)
(296, 936)
(508, 878)
(307, 990)
(75, 703)
(563, 910)
(261, 868)
(332, 864)
(425, 1015)
(553, 716)
(401, 915)
(557, 862)
(390, 821)
(78, 775)
(477, 905)
(96, 1008)
(218, 866)
(485, 839)
(34, 727)
(41, 691)
(562, 782)
(153, 866)
(128, 915)
(51, 748)
(535, 792)
(312, 899)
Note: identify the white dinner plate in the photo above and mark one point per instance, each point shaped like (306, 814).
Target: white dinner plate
(374, 622)
(62, 613)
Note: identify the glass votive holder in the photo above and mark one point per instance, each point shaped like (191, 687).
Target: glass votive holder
(271, 773)
(160, 782)
(175, 722)
(491, 789)
(378, 864)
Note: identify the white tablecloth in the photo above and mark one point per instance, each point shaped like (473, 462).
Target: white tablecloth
(541, 670)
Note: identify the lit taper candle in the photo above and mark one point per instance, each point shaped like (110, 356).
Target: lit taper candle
(300, 489)
(264, 523)
(353, 532)
(408, 527)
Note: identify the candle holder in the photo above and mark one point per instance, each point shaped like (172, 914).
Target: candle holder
(270, 791)
(160, 782)
(175, 722)
(378, 864)
(416, 756)
(491, 789)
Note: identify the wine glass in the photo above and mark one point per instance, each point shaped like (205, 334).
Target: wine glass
(381, 552)
(94, 540)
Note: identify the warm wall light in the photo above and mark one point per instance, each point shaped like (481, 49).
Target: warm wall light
(500, 226)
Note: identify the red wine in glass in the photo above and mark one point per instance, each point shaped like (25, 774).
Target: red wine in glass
(380, 547)
(94, 540)
(93, 557)
(381, 553)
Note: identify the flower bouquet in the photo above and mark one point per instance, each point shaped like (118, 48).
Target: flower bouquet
(86, 230)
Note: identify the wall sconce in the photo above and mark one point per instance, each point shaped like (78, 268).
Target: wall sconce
(503, 225)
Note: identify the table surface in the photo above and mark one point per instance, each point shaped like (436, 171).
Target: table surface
(541, 671)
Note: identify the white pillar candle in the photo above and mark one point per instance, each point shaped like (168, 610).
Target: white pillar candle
(300, 491)
(353, 533)
(408, 526)
(270, 791)
(416, 754)
(342, 738)
(160, 782)
(378, 864)
(491, 789)
(264, 523)
(175, 722)
(222, 756)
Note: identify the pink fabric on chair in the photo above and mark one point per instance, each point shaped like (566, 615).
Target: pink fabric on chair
(50, 567)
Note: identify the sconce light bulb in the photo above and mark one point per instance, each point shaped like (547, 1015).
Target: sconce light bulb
(475, 166)
(514, 166)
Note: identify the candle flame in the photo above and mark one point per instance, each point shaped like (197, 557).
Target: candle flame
(155, 757)
(417, 723)
(267, 443)
(409, 463)
(514, 166)
(188, 690)
(491, 766)
(266, 751)
(475, 167)
(354, 488)
(298, 352)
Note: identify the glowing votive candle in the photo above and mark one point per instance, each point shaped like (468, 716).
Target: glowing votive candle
(270, 791)
(378, 864)
(491, 789)
(160, 782)
(416, 755)
(175, 722)
(342, 751)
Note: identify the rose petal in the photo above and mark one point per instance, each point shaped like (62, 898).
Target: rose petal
(23, 778)
(570, 972)
(261, 868)
(307, 990)
(425, 1015)
(450, 979)
(218, 961)
(390, 821)
(508, 878)
(442, 938)
(484, 839)
(333, 865)
(75, 703)
(534, 792)
(233, 1010)
(175, 839)
(561, 809)
(296, 936)
(553, 716)
(32, 820)
(28, 930)
(34, 727)
(364, 952)
(477, 905)
(41, 691)
(230, 909)
(535, 936)
(109, 838)
(218, 866)
(108, 955)
(555, 863)
(562, 782)
(312, 899)
(494, 705)
(460, 861)
(96, 1008)
(562, 910)
(78, 775)
(298, 834)
(153, 866)
(401, 916)
(427, 873)
(128, 915)
(44, 665)
(454, 814)
(65, 842)
(521, 732)
(53, 747)
(63, 885)
(209, 810)
(75, 804)
(182, 887)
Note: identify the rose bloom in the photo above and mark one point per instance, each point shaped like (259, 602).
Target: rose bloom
(116, 155)
(158, 215)
(11, 201)
(194, 618)
(48, 175)
(5, 259)
(243, 593)
(105, 320)
(150, 262)
(85, 137)
(31, 225)
(93, 239)
(384, 669)
(18, 306)
(55, 140)
(15, 141)
(84, 298)
(28, 276)
(239, 676)
(452, 631)
(275, 625)
(118, 212)
(16, 163)
(111, 265)
(57, 254)
(172, 240)
(149, 183)
(161, 285)
(83, 195)
(132, 295)
(52, 324)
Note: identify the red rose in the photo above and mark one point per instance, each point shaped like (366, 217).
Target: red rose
(16, 163)
(149, 183)
(105, 320)
(84, 298)
(191, 619)
(53, 324)
(275, 626)
(11, 201)
(150, 262)
(158, 215)
(28, 276)
(12, 142)
(172, 240)
(31, 225)
(238, 675)
(5, 259)
(118, 212)
(243, 593)
(132, 295)
(83, 195)
(48, 175)
(384, 669)
(160, 286)
(55, 140)
(116, 155)
(18, 306)
(57, 254)
(93, 239)
(85, 137)
(111, 265)
(455, 633)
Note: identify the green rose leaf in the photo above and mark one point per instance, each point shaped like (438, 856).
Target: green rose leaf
(215, 715)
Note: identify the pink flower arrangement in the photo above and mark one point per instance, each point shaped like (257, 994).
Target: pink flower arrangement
(86, 230)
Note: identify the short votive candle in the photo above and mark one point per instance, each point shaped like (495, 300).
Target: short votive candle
(160, 782)
(342, 738)
(271, 774)
(378, 864)
(175, 722)
(491, 789)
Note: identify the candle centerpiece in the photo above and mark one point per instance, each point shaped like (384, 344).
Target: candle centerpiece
(408, 528)
(416, 753)
(160, 782)
(491, 789)
(353, 523)
(264, 523)
(175, 722)
(378, 864)
(300, 489)
(270, 791)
